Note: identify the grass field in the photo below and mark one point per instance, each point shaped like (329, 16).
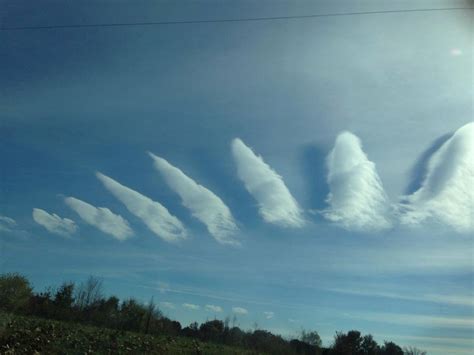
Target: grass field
(28, 335)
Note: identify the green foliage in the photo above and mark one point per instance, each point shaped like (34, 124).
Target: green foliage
(311, 338)
(28, 335)
(390, 348)
(15, 292)
(86, 306)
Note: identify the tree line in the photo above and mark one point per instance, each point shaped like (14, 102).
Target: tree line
(86, 303)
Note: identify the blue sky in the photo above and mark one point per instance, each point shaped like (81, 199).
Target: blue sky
(293, 225)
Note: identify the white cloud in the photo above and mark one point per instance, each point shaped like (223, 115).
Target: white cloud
(168, 305)
(155, 216)
(213, 308)
(53, 223)
(203, 203)
(269, 315)
(191, 306)
(239, 310)
(447, 194)
(102, 218)
(357, 199)
(7, 223)
(456, 52)
(276, 204)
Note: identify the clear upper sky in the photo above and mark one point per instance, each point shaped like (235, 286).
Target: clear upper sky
(302, 173)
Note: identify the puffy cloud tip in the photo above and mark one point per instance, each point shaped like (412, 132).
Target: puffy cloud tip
(357, 200)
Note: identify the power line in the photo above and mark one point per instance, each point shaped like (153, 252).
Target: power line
(249, 19)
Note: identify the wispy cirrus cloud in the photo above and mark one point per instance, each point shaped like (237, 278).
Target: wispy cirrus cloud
(446, 195)
(447, 322)
(102, 218)
(239, 310)
(213, 308)
(357, 200)
(53, 223)
(203, 203)
(193, 307)
(452, 299)
(7, 223)
(276, 204)
(155, 216)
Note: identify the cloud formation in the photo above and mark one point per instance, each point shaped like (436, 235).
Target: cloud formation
(102, 218)
(239, 310)
(168, 305)
(446, 194)
(276, 204)
(193, 307)
(155, 216)
(213, 308)
(203, 203)
(269, 315)
(53, 223)
(357, 200)
(7, 223)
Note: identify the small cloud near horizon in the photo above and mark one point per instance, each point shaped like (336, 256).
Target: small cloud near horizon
(239, 310)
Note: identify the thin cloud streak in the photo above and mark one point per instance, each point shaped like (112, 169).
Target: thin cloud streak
(53, 223)
(102, 218)
(458, 300)
(203, 203)
(418, 320)
(357, 200)
(276, 204)
(155, 216)
(7, 223)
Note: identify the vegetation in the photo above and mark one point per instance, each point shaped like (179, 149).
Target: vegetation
(80, 320)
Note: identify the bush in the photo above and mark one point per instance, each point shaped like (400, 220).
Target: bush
(15, 292)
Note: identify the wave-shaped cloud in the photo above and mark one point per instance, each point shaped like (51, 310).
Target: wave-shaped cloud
(203, 203)
(155, 216)
(447, 193)
(102, 218)
(357, 199)
(276, 204)
(53, 223)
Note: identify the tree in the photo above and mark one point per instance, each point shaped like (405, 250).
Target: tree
(369, 346)
(89, 293)
(64, 295)
(411, 350)
(311, 338)
(390, 348)
(150, 312)
(212, 330)
(347, 344)
(15, 292)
